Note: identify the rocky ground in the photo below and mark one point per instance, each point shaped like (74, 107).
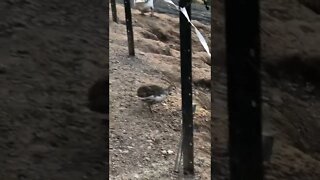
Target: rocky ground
(140, 142)
(144, 145)
(53, 52)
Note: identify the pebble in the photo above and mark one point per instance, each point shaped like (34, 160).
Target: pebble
(136, 176)
(170, 152)
(124, 151)
(164, 152)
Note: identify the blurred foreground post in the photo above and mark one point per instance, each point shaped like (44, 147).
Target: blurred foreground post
(244, 89)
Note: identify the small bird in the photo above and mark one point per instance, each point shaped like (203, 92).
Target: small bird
(152, 94)
(144, 6)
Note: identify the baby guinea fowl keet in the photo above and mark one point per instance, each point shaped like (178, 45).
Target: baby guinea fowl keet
(152, 94)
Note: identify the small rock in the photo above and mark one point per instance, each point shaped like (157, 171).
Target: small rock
(124, 151)
(142, 53)
(136, 176)
(170, 152)
(154, 165)
(164, 152)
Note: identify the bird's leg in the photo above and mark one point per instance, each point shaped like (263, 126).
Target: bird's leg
(152, 13)
(150, 108)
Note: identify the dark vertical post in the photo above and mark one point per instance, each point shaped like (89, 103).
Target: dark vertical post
(212, 92)
(107, 123)
(186, 86)
(244, 89)
(127, 9)
(107, 30)
(114, 11)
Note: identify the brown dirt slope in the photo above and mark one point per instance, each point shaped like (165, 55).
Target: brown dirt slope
(142, 145)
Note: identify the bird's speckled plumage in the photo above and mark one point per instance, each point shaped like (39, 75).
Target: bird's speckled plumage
(149, 90)
(152, 94)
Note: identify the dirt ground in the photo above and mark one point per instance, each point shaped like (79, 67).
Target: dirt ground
(139, 142)
(51, 53)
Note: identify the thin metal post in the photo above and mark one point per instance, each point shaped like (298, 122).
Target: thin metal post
(212, 92)
(114, 11)
(186, 86)
(244, 89)
(107, 122)
(127, 8)
(108, 7)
